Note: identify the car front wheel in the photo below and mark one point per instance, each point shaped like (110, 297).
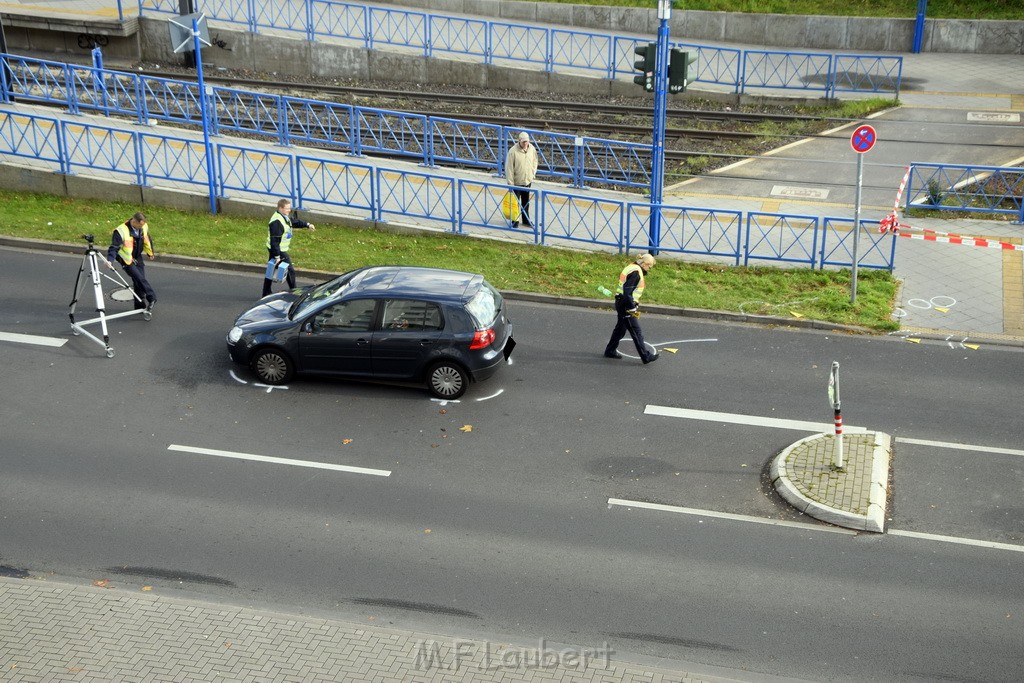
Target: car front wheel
(272, 366)
(447, 380)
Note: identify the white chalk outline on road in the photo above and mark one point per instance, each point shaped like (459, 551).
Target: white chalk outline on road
(32, 339)
(959, 446)
(280, 461)
(753, 420)
(956, 539)
(728, 515)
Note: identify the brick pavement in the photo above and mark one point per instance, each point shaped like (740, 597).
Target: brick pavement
(52, 631)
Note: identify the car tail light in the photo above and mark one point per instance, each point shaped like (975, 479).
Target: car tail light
(482, 339)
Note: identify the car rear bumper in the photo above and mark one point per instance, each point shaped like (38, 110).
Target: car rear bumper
(500, 358)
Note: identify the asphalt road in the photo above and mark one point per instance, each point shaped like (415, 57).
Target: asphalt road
(505, 530)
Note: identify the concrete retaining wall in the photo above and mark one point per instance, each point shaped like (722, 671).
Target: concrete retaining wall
(765, 30)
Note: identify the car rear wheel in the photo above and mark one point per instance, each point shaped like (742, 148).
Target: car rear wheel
(447, 380)
(272, 366)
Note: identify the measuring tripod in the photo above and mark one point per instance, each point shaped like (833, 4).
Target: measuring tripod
(124, 292)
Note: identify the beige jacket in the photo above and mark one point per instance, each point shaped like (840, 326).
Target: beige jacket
(521, 165)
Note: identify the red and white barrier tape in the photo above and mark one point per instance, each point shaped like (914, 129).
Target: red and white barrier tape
(932, 236)
(891, 223)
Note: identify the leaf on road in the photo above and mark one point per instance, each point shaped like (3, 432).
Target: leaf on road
(147, 588)
(102, 583)
(345, 442)
(466, 428)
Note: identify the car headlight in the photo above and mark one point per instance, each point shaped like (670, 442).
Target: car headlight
(234, 335)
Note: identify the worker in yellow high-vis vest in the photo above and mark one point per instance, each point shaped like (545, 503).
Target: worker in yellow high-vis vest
(627, 309)
(279, 239)
(128, 243)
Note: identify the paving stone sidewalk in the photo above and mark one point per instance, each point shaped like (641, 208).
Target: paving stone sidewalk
(52, 631)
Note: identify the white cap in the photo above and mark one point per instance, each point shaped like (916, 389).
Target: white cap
(524, 136)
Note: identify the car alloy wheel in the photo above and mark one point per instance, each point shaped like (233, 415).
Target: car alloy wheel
(447, 380)
(272, 366)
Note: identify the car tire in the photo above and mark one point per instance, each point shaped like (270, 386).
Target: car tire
(447, 380)
(273, 366)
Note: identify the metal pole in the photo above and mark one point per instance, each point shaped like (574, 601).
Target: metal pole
(922, 7)
(833, 395)
(211, 181)
(856, 229)
(8, 83)
(658, 135)
(186, 7)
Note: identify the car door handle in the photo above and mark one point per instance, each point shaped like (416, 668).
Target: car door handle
(426, 342)
(361, 342)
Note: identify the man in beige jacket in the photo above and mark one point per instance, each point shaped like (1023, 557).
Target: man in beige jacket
(520, 170)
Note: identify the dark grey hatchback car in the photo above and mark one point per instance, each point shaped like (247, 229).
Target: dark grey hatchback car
(443, 328)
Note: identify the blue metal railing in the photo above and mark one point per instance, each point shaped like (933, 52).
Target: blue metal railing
(956, 187)
(550, 49)
(457, 205)
(292, 120)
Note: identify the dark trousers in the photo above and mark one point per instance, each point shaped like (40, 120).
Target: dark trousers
(523, 194)
(267, 283)
(137, 272)
(627, 323)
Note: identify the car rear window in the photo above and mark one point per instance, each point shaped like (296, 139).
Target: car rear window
(484, 305)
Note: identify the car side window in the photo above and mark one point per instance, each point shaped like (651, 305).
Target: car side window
(407, 314)
(355, 315)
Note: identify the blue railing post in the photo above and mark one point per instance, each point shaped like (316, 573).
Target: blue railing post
(282, 122)
(5, 81)
(922, 7)
(69, 88)
(310, 29)
(253, 24)
(62, 147)
(140, 166)
(99, 83)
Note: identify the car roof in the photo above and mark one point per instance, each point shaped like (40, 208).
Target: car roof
(415, 282)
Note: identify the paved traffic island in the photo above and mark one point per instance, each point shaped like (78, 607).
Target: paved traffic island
(853, 496)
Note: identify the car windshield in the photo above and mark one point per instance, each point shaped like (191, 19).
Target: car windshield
(484, 306)
(320, 294)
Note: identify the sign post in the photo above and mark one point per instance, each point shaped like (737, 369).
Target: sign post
(862, 140)
(833, 398)
(189, 32)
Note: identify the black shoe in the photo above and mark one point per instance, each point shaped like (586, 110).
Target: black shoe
(651, 359)
(515, 224)
(612, 354)
(149, 306)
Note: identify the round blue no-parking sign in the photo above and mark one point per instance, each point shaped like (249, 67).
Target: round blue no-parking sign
(863, 139)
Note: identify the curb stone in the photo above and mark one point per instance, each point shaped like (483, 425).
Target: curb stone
(864, 510)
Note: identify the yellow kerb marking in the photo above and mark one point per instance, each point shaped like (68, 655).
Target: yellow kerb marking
(1013, 290)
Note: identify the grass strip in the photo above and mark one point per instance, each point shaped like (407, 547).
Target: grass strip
(791, 292)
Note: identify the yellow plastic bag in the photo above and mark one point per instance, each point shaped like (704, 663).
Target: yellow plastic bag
(510, 206)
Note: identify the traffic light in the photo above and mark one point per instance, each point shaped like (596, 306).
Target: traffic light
(645, 65)
(679, 63)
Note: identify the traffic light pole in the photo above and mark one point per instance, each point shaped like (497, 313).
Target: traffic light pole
(658, 134)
